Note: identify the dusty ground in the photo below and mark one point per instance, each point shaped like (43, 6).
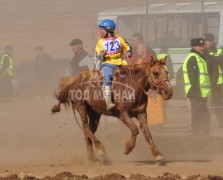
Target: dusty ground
(34, 142)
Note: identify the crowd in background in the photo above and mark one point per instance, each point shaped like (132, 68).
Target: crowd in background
(202, 72)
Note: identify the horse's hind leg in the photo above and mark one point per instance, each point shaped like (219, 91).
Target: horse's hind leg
(130, 144)
(94, 118)
(93, 124)
(87, 129)
(145, 129)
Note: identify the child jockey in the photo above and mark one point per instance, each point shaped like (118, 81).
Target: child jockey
(110, 49)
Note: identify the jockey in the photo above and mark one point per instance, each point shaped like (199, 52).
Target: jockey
(110, 49)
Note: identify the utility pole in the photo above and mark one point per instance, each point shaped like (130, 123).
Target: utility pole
(202, 16)
(147, 19)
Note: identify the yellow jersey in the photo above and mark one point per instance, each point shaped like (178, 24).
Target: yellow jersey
(115, 47)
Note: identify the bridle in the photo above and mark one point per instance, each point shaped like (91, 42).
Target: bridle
(154, 92)
(158, 85)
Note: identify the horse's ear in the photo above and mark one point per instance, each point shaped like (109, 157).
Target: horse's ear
(163, 61)
(152, 61)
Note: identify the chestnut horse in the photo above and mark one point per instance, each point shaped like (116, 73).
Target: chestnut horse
(129, 91)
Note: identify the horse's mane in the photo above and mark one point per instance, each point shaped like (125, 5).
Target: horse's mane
(67, 82)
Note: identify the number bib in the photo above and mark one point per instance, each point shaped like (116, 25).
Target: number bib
(112, 45)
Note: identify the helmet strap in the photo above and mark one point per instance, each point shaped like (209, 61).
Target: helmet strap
(110, 33)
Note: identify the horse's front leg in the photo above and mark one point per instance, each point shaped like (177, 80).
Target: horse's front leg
(129, 144)
(145, 129)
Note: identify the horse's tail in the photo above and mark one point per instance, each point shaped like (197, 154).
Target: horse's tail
(63, 94)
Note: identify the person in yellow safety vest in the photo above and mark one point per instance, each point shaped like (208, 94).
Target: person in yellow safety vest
(212, 55)
(169, 64)
(197, 86)
(6, 73)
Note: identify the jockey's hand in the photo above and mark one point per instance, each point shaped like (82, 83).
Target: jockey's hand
(102, 54)
(128, 54)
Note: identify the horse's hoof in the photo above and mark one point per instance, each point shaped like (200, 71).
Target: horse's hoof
(101, 152)
(159, 158)
(127, 151)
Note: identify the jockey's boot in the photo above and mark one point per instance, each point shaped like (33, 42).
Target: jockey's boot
(107, 97)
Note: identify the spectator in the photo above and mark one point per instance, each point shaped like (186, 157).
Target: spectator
(138, 41)
(169, 64)
(212, 54)
(156, 114)
(43, 63)
(7, 74)
(81, 60)
(197, 86)
(143, 54)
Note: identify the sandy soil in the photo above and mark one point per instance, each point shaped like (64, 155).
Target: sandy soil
(35, 142)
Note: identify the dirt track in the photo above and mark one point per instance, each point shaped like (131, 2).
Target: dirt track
(34, 142)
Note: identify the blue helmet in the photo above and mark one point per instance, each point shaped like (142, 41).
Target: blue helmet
(107, 23)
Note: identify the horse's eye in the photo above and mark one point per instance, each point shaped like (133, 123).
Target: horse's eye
(156, 74)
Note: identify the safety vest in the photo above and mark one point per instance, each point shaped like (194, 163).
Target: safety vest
(220, 70)
(204, 79)
(10, 69)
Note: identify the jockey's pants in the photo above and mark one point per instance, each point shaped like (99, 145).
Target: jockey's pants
(108, 71)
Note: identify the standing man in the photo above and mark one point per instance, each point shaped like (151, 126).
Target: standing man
(143, 54)
(43, 72)
(212, 54)
(197, 86)
(156, 114)
(81, 60)
(137, 40)
(7, 73)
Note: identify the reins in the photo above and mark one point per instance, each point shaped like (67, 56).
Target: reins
(151, 93)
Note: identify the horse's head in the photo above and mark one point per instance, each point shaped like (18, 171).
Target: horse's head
(158, 78)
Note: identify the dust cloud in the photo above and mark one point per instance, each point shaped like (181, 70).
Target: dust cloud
(52, 24)
(31, 136)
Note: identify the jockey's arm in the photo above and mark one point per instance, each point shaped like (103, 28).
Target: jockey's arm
(127, 49)
(99, 50)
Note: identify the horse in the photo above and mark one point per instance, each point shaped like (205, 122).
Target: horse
(130, 87)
